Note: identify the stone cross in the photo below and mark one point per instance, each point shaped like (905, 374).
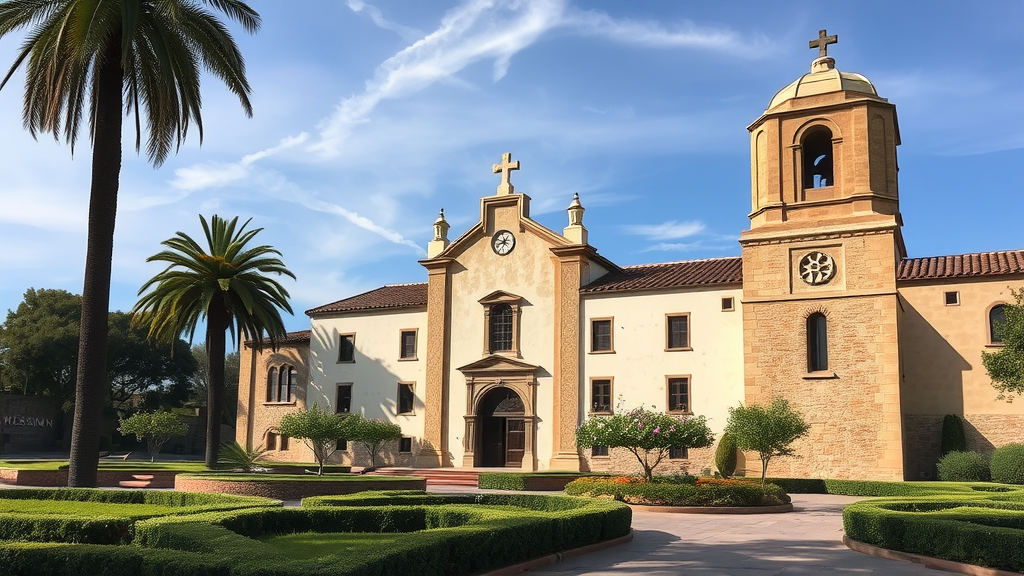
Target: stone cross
(506, 166)
(822, 43)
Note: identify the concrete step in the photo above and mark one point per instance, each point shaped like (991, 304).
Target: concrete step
(142, 476)
(134, 483)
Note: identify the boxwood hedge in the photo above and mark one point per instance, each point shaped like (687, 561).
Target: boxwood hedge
(699, 492)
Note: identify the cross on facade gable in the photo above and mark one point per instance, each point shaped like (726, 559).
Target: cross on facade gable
(822, 43)
(506, 166)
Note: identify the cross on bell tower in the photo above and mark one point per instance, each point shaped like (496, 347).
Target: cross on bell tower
(506, 166)
(822, 42)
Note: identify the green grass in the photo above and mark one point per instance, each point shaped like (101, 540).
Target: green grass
(314, 545)
(57, 507)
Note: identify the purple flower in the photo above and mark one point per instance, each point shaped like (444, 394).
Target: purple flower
(658, 429)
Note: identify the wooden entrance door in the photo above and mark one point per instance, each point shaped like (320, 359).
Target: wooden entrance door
(515, 441)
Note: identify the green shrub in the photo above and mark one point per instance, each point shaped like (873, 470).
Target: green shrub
(703, 492)
(1007, 464)
(953, 437)
(963, 467)
(501, 481)
(725, 455)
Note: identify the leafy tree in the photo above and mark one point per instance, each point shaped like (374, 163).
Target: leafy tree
(1006, 367)
(39, 345)
(135, 366)
(99, 60)
(725, 455)
(319, 430)
(373, 435)
(769, 431)
(646, 434)
(227, 287)
(201, 377)
(156, 427)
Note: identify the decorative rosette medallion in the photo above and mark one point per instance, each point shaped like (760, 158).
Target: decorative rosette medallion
(817, 268)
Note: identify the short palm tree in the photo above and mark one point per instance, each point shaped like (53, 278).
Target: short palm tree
(227, 288)
(99, 59)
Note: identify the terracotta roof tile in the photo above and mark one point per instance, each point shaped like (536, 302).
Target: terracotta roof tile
(670, 275)
(390, 296)
(299, 337)
(962, 265)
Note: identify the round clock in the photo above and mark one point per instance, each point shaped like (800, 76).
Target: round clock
(817, 268)
(503, 242)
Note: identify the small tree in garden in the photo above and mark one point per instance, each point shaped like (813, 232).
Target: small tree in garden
(319, 430)
(769, 431)
(373, 435)
(156, 427)
(953, 437)
(1006, 367)
(725, 455)
(646, 434)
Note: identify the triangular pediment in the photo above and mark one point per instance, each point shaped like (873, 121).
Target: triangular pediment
(500, 297)
(496, 363)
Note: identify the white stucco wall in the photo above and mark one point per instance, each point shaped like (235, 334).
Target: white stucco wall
(640, 363)
(377, 369)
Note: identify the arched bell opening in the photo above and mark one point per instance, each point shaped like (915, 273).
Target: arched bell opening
(818, 158)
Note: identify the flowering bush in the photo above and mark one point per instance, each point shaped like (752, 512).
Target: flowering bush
(680, 491)
(646, 434)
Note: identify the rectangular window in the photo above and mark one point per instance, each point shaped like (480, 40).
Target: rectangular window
(601, 395)
(408, 345)
(405, 398)
(599, 451)
(343, 405)
(405, 445)
(953, 298)
(601, 335)
(728, 304)
(347, 348)
(284, 443)
(678, 332)
(678, 394)
(678, 453)
(271, 443)
(342, 445)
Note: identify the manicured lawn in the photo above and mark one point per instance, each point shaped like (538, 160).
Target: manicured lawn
(66, 508)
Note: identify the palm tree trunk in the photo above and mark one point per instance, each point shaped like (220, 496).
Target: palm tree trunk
(90, 384)
(216, 323)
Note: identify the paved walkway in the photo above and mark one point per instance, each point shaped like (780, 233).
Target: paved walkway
(806, 541)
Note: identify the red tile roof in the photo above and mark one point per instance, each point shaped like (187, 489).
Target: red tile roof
(390, 296)
(962, 265)
(299, 337)
(670, 275)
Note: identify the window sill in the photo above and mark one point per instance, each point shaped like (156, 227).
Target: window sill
(346, 361)
(410, 359)
(289, 403)
(600, 457)
(600, 413)
(405, 414)
(994, 345)
(822, 375)
(601, 352)
(681, 412)
(686, 349)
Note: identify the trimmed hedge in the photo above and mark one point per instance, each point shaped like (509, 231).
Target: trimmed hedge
(881, 489)
(726, 455)
(528, 480)
(699, 492)
(465, 537)
(963, 467)
(981, 530)
(1007, 464)
(953, 437)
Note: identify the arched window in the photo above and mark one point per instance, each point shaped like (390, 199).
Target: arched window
(271, 384)
(817, 342)
(501, 328)
(293, 377)
(996, 319)
(817, 151)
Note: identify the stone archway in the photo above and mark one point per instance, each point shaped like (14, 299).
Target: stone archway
(501, 392)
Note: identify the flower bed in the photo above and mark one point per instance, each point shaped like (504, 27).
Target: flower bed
(293, 487)
(679, 491)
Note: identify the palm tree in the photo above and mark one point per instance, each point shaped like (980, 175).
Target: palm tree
(227, 288)
(101, 59)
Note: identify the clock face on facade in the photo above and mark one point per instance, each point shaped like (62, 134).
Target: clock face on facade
(817, 268)
(503, 242)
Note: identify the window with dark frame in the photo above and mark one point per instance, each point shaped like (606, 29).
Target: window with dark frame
(678, 332)
(271, 442)
(953, 298)
(283, 445)
(728, 304)
(501, 328)
(601, 336)
(405, 398)
(598, 451)
(405, 445)
(271, 384)
(601, 395)
(344, 399)
(817, 342)
(342, 445)
(347, 348)
(408, 345)
(996, 320)
(678, 453)
(679, 394)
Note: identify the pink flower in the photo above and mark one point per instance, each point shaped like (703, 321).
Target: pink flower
(658, 429)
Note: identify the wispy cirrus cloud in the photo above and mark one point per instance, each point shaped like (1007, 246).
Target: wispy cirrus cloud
(377, 17)
(217, 174)
(670, 230)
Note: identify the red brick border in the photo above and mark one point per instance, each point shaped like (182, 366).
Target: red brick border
(293, 489)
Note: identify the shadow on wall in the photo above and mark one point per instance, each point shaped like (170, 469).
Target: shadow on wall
(931, 386)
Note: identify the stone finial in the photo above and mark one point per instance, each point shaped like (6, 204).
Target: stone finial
(440, 241)
(575, 231)
(505, 168)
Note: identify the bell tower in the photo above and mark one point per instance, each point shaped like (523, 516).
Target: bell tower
(819, 270)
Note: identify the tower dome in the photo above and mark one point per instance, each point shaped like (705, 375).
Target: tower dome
(822, 79)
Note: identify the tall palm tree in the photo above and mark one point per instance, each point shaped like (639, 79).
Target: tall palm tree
(227, 288)
(101, 59)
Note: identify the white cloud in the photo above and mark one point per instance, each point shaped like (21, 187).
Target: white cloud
(671, 230)
(218, 174)
(407, 33)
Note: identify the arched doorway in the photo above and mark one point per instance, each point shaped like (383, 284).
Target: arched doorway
(502, 429)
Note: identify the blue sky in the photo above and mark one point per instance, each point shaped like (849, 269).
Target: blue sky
(369, 117)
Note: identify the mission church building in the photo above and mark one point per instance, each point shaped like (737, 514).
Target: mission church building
(520, 333)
